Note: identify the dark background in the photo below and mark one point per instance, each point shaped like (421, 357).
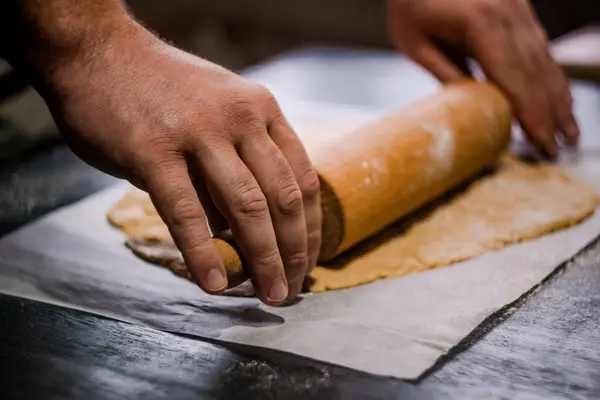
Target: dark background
(238, 33)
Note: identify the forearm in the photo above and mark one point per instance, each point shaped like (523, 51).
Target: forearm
(42, 36)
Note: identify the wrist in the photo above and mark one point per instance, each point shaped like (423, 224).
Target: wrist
(90, 54)
(63, 37)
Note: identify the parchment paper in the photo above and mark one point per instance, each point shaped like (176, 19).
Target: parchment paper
(396, 327)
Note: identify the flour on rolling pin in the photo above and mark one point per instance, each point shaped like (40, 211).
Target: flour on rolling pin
(420, 152)
(443, 147)
(374, 168)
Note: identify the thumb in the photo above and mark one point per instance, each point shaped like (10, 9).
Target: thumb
(437, 61)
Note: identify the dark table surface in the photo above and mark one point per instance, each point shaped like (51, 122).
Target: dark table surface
(545, 346)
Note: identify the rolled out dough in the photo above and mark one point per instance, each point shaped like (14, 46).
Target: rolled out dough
(136, 216)
(515, 203)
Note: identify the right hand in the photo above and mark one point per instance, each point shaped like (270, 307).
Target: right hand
(143, 110)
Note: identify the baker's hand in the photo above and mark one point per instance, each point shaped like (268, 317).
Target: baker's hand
(182, 128)
(506, 38)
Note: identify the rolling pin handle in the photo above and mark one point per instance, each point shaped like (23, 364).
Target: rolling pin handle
(232, 261)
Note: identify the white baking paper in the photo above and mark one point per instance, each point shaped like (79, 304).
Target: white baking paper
(397, 327)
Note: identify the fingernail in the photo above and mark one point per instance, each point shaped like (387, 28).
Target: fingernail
(215, 281)
(278, 291)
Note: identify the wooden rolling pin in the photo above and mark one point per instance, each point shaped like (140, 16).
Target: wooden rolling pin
(389, 168)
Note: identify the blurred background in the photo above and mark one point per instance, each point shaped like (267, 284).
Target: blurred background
(240, 33)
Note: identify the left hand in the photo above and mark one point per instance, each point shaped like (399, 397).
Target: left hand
(508, 41)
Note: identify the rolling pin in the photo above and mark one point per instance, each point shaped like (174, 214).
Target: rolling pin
(386, 169)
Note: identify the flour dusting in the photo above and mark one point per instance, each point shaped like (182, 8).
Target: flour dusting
(442, 150)
(374, 168)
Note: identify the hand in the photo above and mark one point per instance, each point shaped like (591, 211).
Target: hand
(511, 46)
(184, 129)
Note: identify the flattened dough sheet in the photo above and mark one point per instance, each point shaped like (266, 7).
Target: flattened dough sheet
(514, 203)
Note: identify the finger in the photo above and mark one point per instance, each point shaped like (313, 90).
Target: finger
(565, 117)
(561, 102)
(557, 84)
(240, 198)
(545, 86)
(218, 225)
(286, 139)
(216, 221)
(177, 203)
(406, 37)
(536, 115)
(494, 41)
(424, 52)
(274, 175)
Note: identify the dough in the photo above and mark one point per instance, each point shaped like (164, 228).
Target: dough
(515, 203)
(136, 216)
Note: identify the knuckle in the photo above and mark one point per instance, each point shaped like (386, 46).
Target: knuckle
(198, 253)
(297, 260)
(268, 103)
(155, 156)
(251, 203)
(159, 163)
(158, 131)
(262, 94)
(185, 212)
(569, 101)
(268, 259)
(152, 144)
(296, 265)
(151, 170)
(277, 118)
(540, 34)
(289, 199)
(151, 140)
(314, 238)
(488, 10)
(310, 184)
(241, 108)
